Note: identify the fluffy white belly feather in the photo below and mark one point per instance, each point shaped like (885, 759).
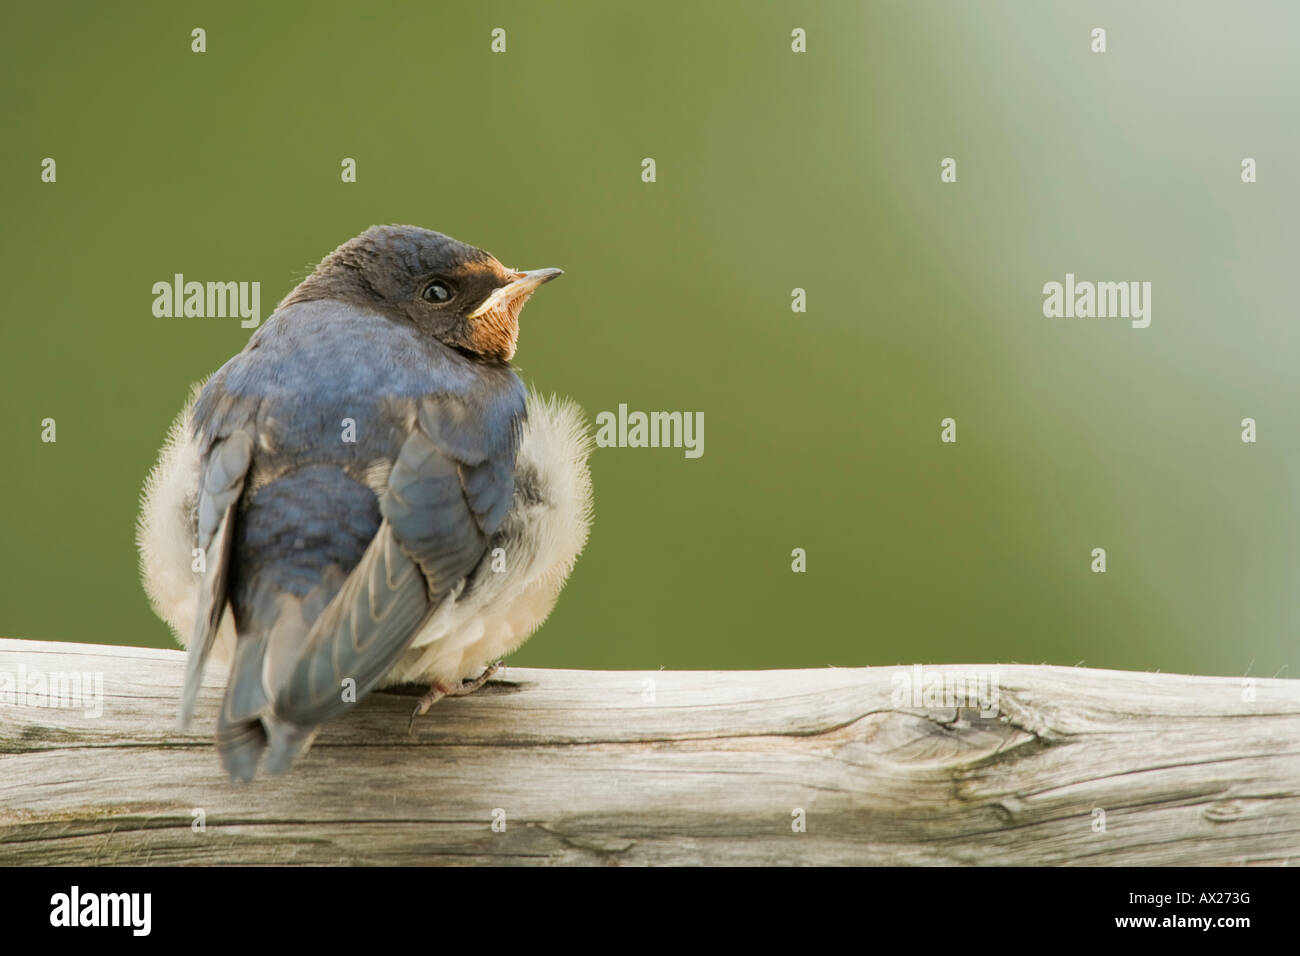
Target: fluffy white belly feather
(489, 616)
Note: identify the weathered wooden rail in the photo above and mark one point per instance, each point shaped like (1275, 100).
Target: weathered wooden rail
(607, 767)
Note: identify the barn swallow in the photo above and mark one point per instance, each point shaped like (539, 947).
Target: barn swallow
(366, 495)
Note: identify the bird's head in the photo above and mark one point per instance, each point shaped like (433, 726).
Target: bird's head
(460, 295)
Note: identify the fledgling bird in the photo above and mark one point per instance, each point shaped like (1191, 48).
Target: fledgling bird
(373, 494)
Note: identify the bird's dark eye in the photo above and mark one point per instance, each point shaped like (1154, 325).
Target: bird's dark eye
(438, 291)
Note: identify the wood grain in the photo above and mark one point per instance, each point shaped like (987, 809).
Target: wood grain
(601, 767)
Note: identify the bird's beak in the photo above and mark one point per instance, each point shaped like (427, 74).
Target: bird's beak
(513, 294)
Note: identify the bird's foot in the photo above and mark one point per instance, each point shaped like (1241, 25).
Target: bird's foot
(439, 689)
(467, 687)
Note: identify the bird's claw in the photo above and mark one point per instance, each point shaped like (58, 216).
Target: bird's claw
(422, 708)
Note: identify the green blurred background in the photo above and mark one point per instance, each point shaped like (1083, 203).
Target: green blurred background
(775, 171)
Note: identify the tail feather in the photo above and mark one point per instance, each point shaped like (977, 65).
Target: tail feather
(287, 743)
(241, 745)
(252, 728)
(241, 736)
(248, 727)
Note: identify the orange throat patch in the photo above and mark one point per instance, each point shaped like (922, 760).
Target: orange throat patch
(495, 333)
